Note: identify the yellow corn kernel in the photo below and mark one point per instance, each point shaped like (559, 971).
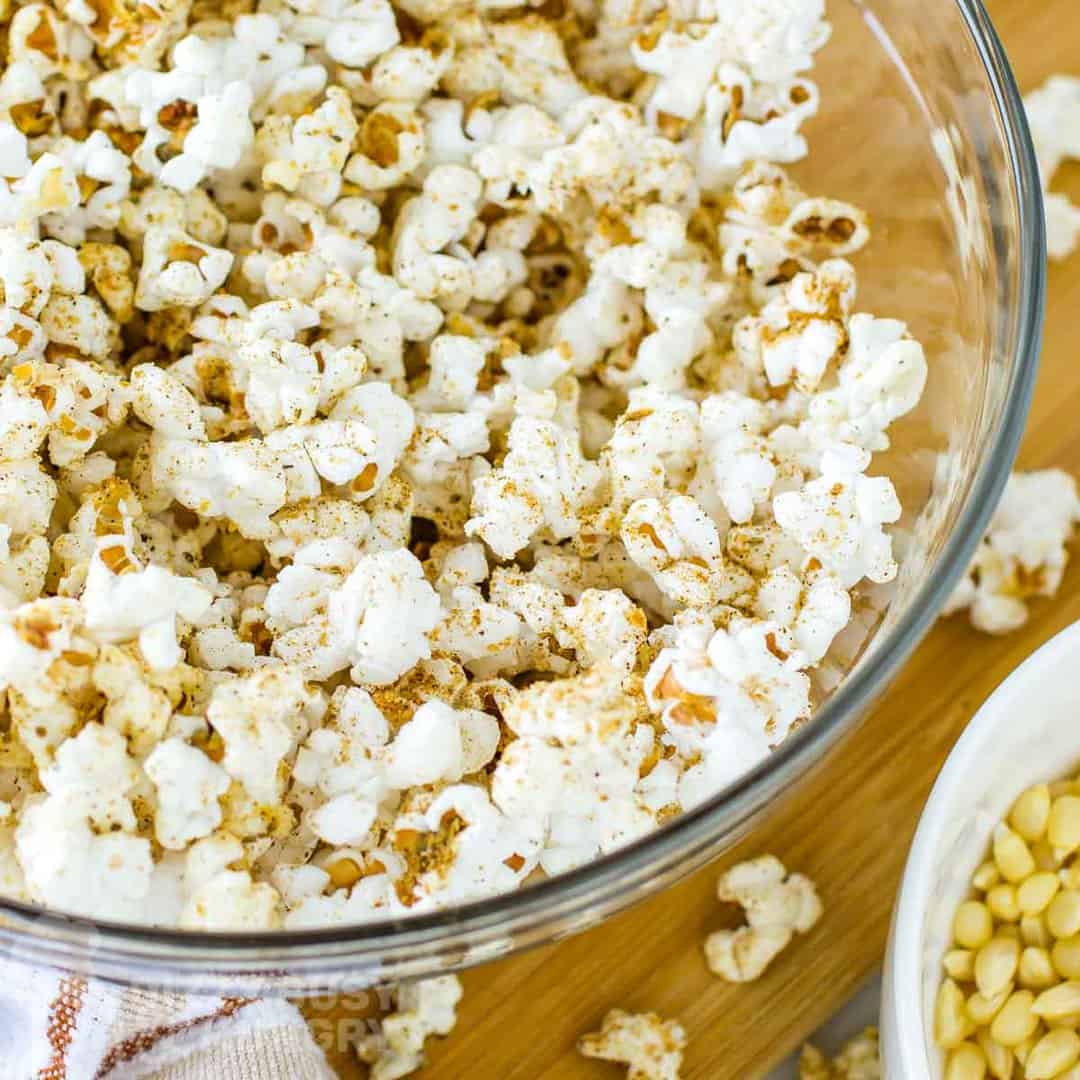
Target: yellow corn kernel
(959, 964)
(1065, 955)
(999, 1059)
(1055, 1052)
(952, 1025)
(983, 1009)
(1012, 855)
(1021, 1052)
(1063, 825)
(995, 965)
(1063, 914)
(966, 1062)
(1016, 1020)
(973, 926)
(986, 877)
(1058, 1002)
(1003, 904)
(1030, 812)
(1047, 858)
(1036, 970)
(1069, 876)
(1033, 896)
(1034, 931)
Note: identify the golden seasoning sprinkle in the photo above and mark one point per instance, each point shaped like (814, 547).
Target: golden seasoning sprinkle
(186, 253)
(379, 138)
(366, 478)
(344, 873)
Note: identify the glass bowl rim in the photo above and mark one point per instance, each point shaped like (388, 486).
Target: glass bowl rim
(542, 910)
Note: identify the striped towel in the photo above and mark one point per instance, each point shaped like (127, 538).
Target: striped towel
(57, 1026)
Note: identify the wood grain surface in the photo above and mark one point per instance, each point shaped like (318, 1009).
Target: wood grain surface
(848, 825)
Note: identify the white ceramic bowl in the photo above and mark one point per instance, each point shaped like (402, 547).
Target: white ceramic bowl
(1027, 731)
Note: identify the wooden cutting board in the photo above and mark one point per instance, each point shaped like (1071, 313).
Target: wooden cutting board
(848, 825)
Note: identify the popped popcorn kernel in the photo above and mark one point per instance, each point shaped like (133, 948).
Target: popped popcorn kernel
(1024, 552)
(651, 1048)
(777, 906)
(858, 1059)
(1053, 111)
(421, 1009)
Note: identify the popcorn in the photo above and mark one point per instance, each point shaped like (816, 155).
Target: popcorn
(838, 518)
(612, 160)
(108, 269)
(725, 696)
(740, 459)
(422, 1009)
(679, 546)
(575, 765)
(102, 176)
(353, 34)
(245, 482)
(777, 906)
(859, 1059)
(71, 868)
(38, 36)
(125, 602)
(188, 786)
(461, 848)
(382, 616)
(434, 447)
(604, 626)
(800, 333)
(881, 379)
(650, 1047)
(391, 147)
(260, 717)
(814, 611)
(1023, 554)
(434, 220)
(75, 845)
(315, 143)
(654, 445)
(178, 270)
(231, 901)
(543, 483)
(1053, 112)
(773, 230)
(439, 744)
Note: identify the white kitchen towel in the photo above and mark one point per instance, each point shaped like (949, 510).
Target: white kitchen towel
(56, 1026)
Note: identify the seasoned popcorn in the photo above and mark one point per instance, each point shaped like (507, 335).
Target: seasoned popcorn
(436, 448)
(777, 906)
(1054, 114)
(859, 1059)
(651, 1048)
(422, 1009)
(1023, 554)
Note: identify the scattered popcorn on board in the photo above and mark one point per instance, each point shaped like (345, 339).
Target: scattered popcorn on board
(435, 443)
(776, 905)
(1024, 553)
(650, 1047)
(1053, 112)
(421, 1010)
(859, 1059)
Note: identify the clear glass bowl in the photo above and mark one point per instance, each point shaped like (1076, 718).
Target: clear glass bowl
(923, 126)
